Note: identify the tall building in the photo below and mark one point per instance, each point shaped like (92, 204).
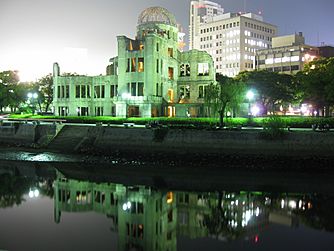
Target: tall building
(287, 55)
(230, 38)
(199, 12)
(150, 77)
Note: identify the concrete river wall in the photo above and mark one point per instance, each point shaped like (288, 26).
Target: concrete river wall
(71, 138)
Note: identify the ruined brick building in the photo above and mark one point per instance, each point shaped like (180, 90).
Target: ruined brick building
(150, 77)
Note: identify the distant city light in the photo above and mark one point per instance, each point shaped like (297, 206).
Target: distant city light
(33, 193)
(255, 110)
(126, 206)
(32, 95)
(250, 95)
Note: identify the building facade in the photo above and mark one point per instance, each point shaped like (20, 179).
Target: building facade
(232, 39)
(150, 77)
(288, 54)
(200, 10)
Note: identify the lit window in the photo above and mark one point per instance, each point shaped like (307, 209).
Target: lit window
(140, 64)
(169, 197)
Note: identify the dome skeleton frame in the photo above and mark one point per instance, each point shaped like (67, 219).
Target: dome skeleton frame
(157, 15)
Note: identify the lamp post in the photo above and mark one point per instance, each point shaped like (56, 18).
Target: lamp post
(32, 97)
(250, 97)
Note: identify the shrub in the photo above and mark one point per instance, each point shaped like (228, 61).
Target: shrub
(273, 128)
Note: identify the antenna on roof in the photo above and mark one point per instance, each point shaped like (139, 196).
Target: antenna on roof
(245, 5)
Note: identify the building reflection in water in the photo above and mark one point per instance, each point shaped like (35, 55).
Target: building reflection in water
(149, 219)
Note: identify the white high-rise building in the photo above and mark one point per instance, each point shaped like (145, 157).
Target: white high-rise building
(232, 39)
(200, 11)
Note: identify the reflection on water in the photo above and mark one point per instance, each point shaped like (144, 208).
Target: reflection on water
(145, 218)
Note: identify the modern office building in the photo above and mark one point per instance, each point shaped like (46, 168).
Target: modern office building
(288, 54)
(200, 11)
(150, 77)
(232, 39)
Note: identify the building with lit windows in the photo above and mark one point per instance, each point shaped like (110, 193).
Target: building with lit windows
(150, 77)
(200, 10)
(288, 54)
(232, 39)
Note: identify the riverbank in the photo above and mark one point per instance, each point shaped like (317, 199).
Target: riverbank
(161, 146)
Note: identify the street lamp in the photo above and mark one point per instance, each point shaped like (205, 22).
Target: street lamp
(32, 97)
(250, 96)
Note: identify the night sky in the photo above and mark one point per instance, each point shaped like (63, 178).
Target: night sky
(81, 34)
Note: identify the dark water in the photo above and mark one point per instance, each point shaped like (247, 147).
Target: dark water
(44, 208)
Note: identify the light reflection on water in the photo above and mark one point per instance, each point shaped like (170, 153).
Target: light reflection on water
(55, 211)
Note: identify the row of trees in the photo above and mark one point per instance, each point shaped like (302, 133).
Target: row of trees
(313, 85)
(14, 94)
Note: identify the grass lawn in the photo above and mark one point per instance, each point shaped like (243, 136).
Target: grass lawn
(296, 122)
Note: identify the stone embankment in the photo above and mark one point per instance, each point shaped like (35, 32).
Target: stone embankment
(186, 142)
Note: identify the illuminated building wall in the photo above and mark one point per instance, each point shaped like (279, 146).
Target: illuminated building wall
(199, 11)
(146, 79)
(232, 39)
(149, 219)
(145, 219)
(288, 54)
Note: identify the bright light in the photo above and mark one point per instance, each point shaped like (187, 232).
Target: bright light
(129, 204)
(293, 204)
(126, 95)
(36, 193)
(250, 95)
(125, 206)
(303, 109)
(32, 95)
(33, 193)
(255, 110)
(282, 204)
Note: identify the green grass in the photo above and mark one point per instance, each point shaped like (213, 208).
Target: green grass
(295, 122)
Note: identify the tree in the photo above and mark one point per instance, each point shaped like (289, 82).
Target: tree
(45, 92)
(226, 93)
(12, 93)
(273, 88)
(317, 81)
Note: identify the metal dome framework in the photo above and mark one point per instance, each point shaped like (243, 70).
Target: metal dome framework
(157, 15)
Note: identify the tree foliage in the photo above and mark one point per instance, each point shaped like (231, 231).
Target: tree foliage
(317, 81)
(273, 89)
(12, 93)
(45, 91)
(223, 95)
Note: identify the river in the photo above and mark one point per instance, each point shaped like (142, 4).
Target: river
(56, 206)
